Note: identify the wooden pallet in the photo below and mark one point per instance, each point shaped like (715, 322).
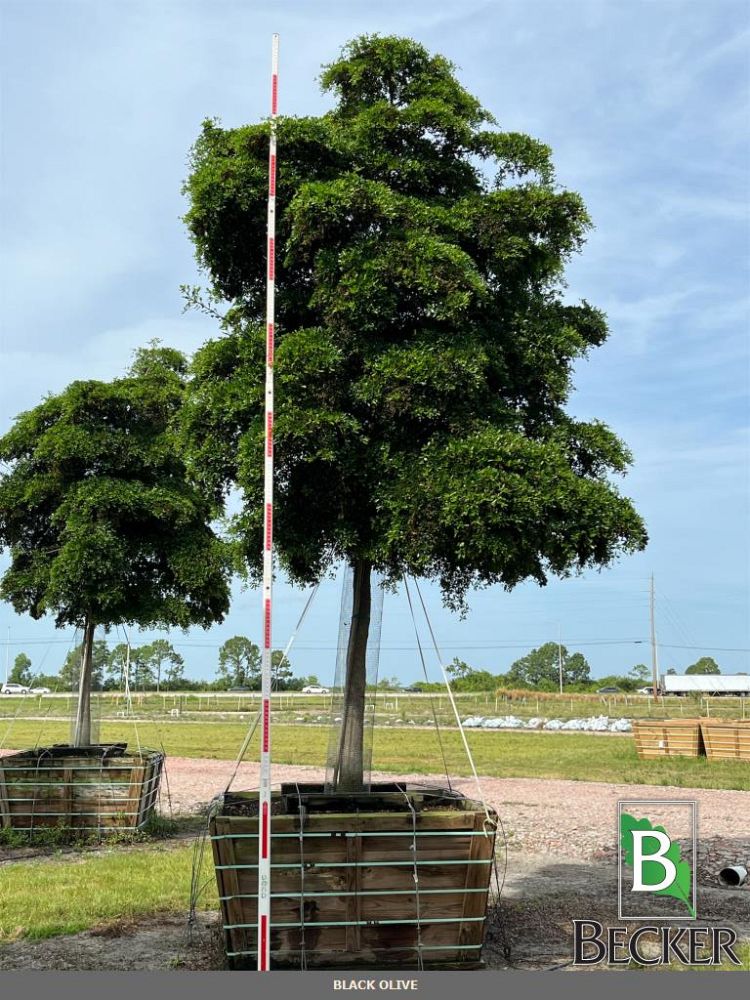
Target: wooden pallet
(79, 791)
(726, 740)
(668, 738)
(343, 884)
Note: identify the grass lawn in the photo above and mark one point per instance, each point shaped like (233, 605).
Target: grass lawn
(580, 756)
(40, 899)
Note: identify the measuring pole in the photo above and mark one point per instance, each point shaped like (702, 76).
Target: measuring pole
(264, 817)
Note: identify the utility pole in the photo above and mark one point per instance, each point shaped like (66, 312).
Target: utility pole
(559, 655)
(7, 655)
(654, 651)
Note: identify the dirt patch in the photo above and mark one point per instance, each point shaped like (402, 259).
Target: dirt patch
(153, 943)
(531, 924)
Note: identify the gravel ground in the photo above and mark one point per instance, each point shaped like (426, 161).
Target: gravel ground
(561, 864)
(540, 816)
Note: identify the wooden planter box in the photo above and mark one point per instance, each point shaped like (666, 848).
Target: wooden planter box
(726, 740)
(98, 788)
(373, 880)
(668, 738)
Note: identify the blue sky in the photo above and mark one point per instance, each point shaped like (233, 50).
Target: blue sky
(645, 105)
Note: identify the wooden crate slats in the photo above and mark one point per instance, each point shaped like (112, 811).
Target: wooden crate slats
(718, 740)
(477, 876)
(356, 900)
(5, 820)
(668, 738)
(726, 740)
(79, 792)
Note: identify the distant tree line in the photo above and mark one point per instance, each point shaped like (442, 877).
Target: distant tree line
(157, 666)
(539, 670)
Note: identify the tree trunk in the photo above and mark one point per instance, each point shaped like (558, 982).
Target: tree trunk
(350, 763)
(82, 737)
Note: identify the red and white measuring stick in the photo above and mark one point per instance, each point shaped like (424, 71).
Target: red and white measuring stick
(264, 817)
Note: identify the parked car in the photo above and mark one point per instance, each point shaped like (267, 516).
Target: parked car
(315, 689)
(40, 690)
(611, 689)
(238, 690)
(645, 691)
(15, 689)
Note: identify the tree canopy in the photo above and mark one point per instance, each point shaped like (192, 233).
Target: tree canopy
(705, 665)
(541, 667)
(424, 346)
(100, 520)
(21, 670)
(239, 662)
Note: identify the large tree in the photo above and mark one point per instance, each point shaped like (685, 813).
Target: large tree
(705, 665)
(541, 667)
(101, 522)
(424, 346)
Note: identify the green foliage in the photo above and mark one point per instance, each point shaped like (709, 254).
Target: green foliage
(240, 666)
(70, 671)
(161, 655)
(465, 678)
(97, 513)
(640, 673)
(653, 871)
(705, 665)
(424, 350)
(281, 671)
(541, 668)
(21, 670)
(239, 663)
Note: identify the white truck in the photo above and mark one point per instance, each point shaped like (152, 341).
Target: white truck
(735, 685)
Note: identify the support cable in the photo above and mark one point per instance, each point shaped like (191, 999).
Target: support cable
(453, 704)
(424, 671)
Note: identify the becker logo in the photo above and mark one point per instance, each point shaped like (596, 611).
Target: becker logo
(656, 881)
(651, 864)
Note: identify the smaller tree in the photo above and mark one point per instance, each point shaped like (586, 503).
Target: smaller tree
(281, 670)
(174, 675)
(70, 672)
(116, 666)
(239, 662)
(388, 684)
(142, 675)
(458, 669)
(21, 672)
(160, 653)
(705, 665)
(639, 673)
(102, 523)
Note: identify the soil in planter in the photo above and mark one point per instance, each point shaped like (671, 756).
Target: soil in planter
(383, 797)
